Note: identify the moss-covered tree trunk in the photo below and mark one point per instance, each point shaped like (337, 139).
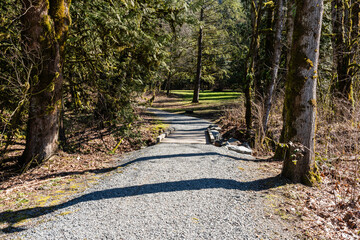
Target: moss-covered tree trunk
(354, 35)
(300, 93)
(45, 26)
(290, 16)
(275, 61)
(199, 61)
(250, 62)
(345, 24)
(168, 84)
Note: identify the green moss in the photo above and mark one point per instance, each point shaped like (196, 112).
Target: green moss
(46, 23)
(60, 16)
(312, 102)
(35, 79)
(310, 63)
(51, 87)
(313, 177)
(50, 109)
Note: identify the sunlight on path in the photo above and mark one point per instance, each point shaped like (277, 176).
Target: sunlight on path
(187, 129)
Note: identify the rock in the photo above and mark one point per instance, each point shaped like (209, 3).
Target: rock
(239, 149)
(215, 127)
(245, 144)
(216, 134)
(160, 138)
(189, 111)
(234, 141)
(212, 139)
(218, 143)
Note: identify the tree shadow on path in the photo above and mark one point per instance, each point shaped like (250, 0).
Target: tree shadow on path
(142, 159)
(14, 217)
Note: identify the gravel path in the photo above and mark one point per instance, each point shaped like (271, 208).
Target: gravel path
(170, 191)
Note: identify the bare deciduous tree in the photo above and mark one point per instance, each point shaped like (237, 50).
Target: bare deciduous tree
(300, 95)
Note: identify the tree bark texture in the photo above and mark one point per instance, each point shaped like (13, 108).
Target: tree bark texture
(45, 26)
(199, 61)
(354, 43)
(300, 93)
(280, 150)
(345, 24)
(264, 66)
(168, 84)
(250, 60)
(275, 61)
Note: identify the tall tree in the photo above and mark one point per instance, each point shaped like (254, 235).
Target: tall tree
(45, 27)
(256, 7)
(354, 37)
(345, 24)
(300, 95)
(275, 61)
(199, 59)
(290, 16)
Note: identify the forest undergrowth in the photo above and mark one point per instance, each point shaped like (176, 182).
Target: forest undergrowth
(331, 209)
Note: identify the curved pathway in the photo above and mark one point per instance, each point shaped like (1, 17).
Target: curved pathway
(171, 190)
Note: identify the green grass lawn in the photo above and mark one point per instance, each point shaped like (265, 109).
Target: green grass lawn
(208, 96)
(210, 104)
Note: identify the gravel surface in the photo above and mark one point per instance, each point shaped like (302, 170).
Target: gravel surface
(170, 191)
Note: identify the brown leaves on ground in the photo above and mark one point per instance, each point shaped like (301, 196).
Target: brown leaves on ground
(320, 212)
(330, 210)
(90, 155)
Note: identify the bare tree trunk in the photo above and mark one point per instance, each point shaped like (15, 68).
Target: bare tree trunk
(45, 26)
(265, 65)
(275, 61)
(354, 45)
(280, 150)
(168, 84)
(342, 40)
(300, 98)
(199, 63)
(250, 60)
(62, 135)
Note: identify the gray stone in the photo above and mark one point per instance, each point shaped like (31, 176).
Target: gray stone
(211, 137)
(234, 141)
(216, 134)
(214, 127)
(245, 144)
(239, 149)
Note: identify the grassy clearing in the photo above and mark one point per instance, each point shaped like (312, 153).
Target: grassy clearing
(207, 96)
(210, 107)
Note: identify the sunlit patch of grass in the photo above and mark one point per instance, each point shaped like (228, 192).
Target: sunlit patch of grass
(44, 199)
(207, 96)
(210, 104)
(54, 202)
